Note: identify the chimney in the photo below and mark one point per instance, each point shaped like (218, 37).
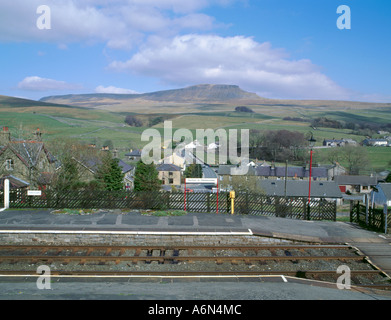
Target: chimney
(5, 137)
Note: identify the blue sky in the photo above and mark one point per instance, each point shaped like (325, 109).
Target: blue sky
(289, 49)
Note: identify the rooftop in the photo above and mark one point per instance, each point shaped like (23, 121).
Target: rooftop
(297, 188)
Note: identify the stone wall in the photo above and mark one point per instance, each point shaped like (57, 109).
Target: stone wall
(133, 239)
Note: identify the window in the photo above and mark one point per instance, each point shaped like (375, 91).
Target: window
(170, 181)
(9, 164)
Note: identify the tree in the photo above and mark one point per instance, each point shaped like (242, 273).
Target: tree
(70, 156)
(146, 177)
(244, 109)
(245, 183)
(193, 171)
(133, 121)
(277, 145)
(109, 175)
(68, 176)
(354, 157)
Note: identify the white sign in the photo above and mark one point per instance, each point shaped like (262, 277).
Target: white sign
(202, 180)
(34, 192)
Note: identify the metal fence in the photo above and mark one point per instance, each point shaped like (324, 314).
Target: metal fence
(373, 218)
(245, 203)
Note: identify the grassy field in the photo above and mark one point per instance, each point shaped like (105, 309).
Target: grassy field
(379, 158)
(99, 126)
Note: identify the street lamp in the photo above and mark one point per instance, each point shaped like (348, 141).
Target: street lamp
(312, 142)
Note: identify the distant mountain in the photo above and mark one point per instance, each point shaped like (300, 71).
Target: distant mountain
(199, 93)
(13, 102)
(202, 92)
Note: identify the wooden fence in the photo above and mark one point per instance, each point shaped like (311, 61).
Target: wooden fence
(203, 202)
(374, 219)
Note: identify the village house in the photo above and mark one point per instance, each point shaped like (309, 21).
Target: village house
(27, 160)
(293, 173)
(174, 159)
(194, 145)
(231, 175)
(128, 170)
(381, 195)
(169, 174)
(134, 155)
(88, 168)
(327, 190)
(334, 170)
(376, 142)
(355, 184)
(14, 183)
(338, 142)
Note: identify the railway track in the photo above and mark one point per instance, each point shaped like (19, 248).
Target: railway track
(315, 262)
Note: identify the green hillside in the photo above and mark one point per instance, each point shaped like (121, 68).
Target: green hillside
(103, 126)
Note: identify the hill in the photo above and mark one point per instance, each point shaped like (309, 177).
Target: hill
(199, 94)
(203, 98)
(101, 120)
(203, 92)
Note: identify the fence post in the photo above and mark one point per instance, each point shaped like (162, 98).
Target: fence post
(366, 210)
(6, 194)
(358, 211)
(305, 208)
(351, 210)
(208, 202)
(247, 205)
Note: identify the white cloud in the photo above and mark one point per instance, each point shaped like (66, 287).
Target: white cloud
(111, 89)
(117, 23)
(35, 83)
(193, 59)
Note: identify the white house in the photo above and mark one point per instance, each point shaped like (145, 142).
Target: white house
(382, 194)
(376, 142)
(213, 146)
(174, 159)
(194, 144)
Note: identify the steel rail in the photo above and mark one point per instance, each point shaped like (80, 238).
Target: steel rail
(170, 247)
(163, 259)
(185, 273)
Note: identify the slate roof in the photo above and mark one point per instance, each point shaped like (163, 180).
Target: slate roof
(298, 188)
(15, 183)
(356, 180)
(299, 172)
(28, 151)
(168, 167)
(125, 167)
(134, 153)
(386, 187)
(236, 170)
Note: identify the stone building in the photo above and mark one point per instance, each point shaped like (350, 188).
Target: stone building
(26, 159)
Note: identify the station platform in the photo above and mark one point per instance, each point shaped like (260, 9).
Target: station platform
(376, 246)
